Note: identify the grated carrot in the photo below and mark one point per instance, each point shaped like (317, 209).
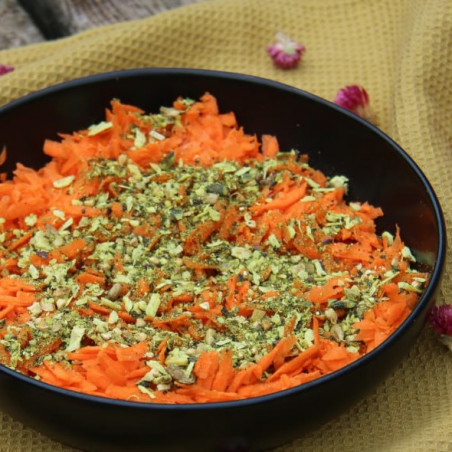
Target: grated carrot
(174, 258)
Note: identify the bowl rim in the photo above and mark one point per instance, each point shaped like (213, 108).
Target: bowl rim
(424, 300)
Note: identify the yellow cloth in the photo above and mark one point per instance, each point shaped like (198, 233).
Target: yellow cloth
(400, 51)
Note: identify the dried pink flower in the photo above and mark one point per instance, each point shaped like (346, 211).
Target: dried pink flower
(355, 99)
(286, 53)
(441, 320)
(4, 69)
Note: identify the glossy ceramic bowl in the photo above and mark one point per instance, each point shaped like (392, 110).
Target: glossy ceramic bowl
(337, 142)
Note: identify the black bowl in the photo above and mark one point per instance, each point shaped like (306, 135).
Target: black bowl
(337, 142)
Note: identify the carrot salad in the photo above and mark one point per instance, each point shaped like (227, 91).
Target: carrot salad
(173, 258)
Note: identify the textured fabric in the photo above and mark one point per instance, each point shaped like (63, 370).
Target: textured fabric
(400, 51)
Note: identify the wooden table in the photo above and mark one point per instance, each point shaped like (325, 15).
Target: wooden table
(29, 21)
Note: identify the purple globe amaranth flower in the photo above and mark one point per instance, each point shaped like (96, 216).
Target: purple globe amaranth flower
(286, 53)
(4, 69)
(355, 99)
(441, 320)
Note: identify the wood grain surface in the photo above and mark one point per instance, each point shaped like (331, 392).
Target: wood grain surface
(28, 21)
(16, 26)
